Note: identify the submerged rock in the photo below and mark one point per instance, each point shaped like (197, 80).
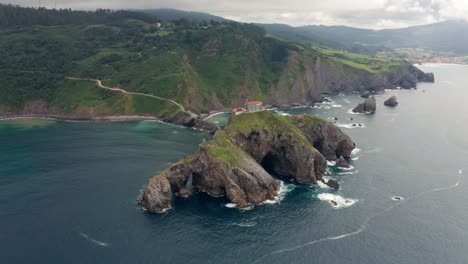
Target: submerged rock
(365, 94)
(333, 184)
(368, 106)
(238, 162)
(392, 101)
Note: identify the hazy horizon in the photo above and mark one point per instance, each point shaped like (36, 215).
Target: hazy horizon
(370, 14)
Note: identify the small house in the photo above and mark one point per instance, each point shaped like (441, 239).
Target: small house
(254, 106)
(238, 110)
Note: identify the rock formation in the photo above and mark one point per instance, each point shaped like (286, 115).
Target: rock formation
(342, 163)
(239, 161)
(368, 106)
(333, 184)
(392, 101)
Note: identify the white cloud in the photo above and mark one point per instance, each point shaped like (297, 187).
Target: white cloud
(359, 13)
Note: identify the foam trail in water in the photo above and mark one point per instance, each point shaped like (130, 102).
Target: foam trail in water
(363, 227)
(351, 125)
(246, 224)
(97, 242)
(336, 201)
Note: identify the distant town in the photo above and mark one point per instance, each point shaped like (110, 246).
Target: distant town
(421, 56)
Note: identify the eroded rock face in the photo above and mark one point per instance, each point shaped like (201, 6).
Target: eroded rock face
(328, 139)
(342, 163)
(238, 162)
(157, 196)
(283, 154)
(392, 101)
(368, 106)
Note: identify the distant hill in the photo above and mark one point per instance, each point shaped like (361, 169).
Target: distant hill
(168, 14)
(448, 36)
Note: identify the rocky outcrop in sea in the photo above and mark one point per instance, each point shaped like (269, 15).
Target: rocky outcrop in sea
(368, 106)
(392, 101)
(239, 161)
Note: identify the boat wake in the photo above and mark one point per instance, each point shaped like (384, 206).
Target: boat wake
(365, 224)
(97, 242)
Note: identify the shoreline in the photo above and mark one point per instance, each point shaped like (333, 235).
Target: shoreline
(121, 118)
(440, 63)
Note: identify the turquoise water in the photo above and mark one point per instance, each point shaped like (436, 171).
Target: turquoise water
(68, 191)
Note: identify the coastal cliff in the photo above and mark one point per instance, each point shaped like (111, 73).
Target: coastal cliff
(123, 67)
(239, 161)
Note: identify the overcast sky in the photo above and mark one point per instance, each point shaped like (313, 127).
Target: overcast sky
(376, 14)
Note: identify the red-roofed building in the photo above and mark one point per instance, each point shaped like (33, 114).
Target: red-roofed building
(254, 106)
(238, 110)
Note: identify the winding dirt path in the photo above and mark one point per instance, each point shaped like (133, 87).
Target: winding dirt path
(117, 89)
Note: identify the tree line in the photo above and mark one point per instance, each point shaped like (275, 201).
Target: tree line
(16, 16)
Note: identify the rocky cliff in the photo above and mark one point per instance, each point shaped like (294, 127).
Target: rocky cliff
(239, 161)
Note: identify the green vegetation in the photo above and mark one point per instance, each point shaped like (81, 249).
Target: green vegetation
(84, 97)
(361, 61)
(222, 148)
(202, 65)
(308, 121)
(263, 120)
(276, 125)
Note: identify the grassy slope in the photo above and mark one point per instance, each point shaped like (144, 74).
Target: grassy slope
(196, 67)
(221, 147)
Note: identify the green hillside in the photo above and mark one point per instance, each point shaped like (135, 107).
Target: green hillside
(201, 65)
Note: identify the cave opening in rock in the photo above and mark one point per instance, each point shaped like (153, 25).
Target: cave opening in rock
(269, 163)
(275, 166)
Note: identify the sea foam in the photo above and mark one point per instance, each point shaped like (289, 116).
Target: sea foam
(351, 125)
(336, 201)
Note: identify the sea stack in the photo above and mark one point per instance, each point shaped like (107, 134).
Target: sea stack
(368, 106)
(392, 101)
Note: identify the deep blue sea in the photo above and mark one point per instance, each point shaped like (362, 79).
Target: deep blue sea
(68, 191)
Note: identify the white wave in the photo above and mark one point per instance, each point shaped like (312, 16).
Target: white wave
(348, 173)
(460, 171)
(282, 113)
(397, 198)
(246, 224)
(97, 242)
(350, 168)
(336, 201)
(353, 125)
(322, 185)
(283, 191)
(231, 205)
(331, 163)
(355, 151)
(355, 158)
(350, 111)
(336, 105)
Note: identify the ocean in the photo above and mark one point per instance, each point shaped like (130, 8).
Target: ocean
(68, 191)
